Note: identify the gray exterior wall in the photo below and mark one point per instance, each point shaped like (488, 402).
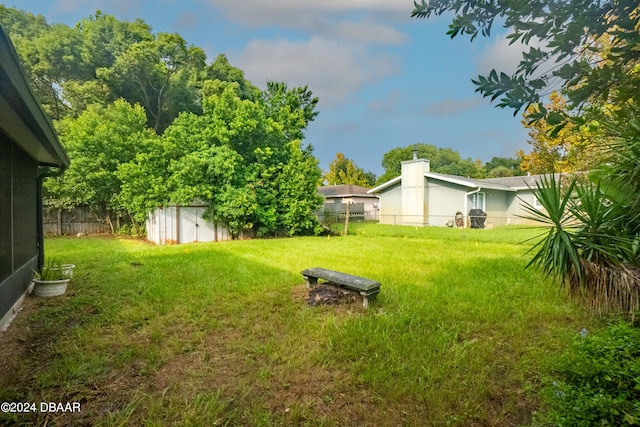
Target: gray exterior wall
(18, 225)
(518, 209)
(28, 141)
(419, 198)
(496, 204)
(445, 199)
(391, 205)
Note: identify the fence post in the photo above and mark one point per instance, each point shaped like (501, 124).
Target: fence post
(59, 222)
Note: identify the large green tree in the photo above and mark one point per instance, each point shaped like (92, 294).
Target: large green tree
(113, 86)
(574, 148)
(503, 166)
(220, 69)
(344, 171)
(159, 74)
(103, 59)
(98, 142)
(238, 159)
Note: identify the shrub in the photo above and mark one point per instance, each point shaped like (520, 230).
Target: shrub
(597, 380)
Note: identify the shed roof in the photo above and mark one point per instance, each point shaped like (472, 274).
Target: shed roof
(22, 118)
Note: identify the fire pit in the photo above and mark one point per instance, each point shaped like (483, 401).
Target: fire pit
(327, 294)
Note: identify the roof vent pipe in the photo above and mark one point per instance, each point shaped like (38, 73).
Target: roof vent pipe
(415, 154)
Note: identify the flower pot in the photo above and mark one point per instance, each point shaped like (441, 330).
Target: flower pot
(50, 288)
(67, 270)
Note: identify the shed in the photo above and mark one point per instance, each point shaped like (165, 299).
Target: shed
(29, 149)
(175, 224)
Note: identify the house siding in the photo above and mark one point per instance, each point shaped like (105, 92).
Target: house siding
(391, 208)
(445, 200)
(405, 200)
(496, 203)
(524, 196)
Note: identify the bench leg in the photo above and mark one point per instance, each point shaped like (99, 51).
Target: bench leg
(310, 281)
(365, 300)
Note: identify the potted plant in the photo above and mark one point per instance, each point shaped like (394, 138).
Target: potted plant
(52, 280)
(67, 269)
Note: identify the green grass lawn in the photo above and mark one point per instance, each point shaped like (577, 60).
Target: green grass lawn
(219, 333)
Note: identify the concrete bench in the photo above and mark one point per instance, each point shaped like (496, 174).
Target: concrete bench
(368, 288)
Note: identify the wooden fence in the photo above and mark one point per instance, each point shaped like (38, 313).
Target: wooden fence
(69, 223)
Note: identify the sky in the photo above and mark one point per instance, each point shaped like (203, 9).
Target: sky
(384, 80)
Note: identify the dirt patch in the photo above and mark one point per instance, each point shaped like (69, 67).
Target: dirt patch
(326, 294)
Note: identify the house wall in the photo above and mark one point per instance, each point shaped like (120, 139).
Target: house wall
(516, 207)
(18, 226)
(496, 204)
(445, 200)
(391, 205)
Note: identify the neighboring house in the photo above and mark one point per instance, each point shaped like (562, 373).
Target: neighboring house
(29, 146)
(362, 202)
(420, 197)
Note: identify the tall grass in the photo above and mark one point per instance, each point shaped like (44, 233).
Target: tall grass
(218, 333)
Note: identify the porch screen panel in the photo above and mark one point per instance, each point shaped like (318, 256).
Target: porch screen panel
(25, 225)
(5, 208)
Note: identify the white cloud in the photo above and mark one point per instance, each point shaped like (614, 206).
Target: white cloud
(502, 56)
(366, 32)
(333, 70)
(368, 20)
(251, 10)
(451, 107)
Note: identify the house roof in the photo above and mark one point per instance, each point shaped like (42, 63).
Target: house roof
(513, 183)
(384, 185)
(520, 182)
(468, 182)
(346, 190)
(22, 118)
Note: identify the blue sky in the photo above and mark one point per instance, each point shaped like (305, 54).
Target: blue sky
(384, 80)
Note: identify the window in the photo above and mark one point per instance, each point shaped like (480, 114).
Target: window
(536, 203)
(477, 201)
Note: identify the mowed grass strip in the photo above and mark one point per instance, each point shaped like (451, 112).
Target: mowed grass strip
(219, 333)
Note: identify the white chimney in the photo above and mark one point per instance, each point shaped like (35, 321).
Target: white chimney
(414, 197)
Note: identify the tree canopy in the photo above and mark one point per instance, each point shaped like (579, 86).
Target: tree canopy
(98, 142)
(574, 148)
(441, 160)
(237, 157)
(565, 48)
(344, 171)
(146, 123)
(103, 59)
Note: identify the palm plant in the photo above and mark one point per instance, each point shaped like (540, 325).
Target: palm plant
(588, 245)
